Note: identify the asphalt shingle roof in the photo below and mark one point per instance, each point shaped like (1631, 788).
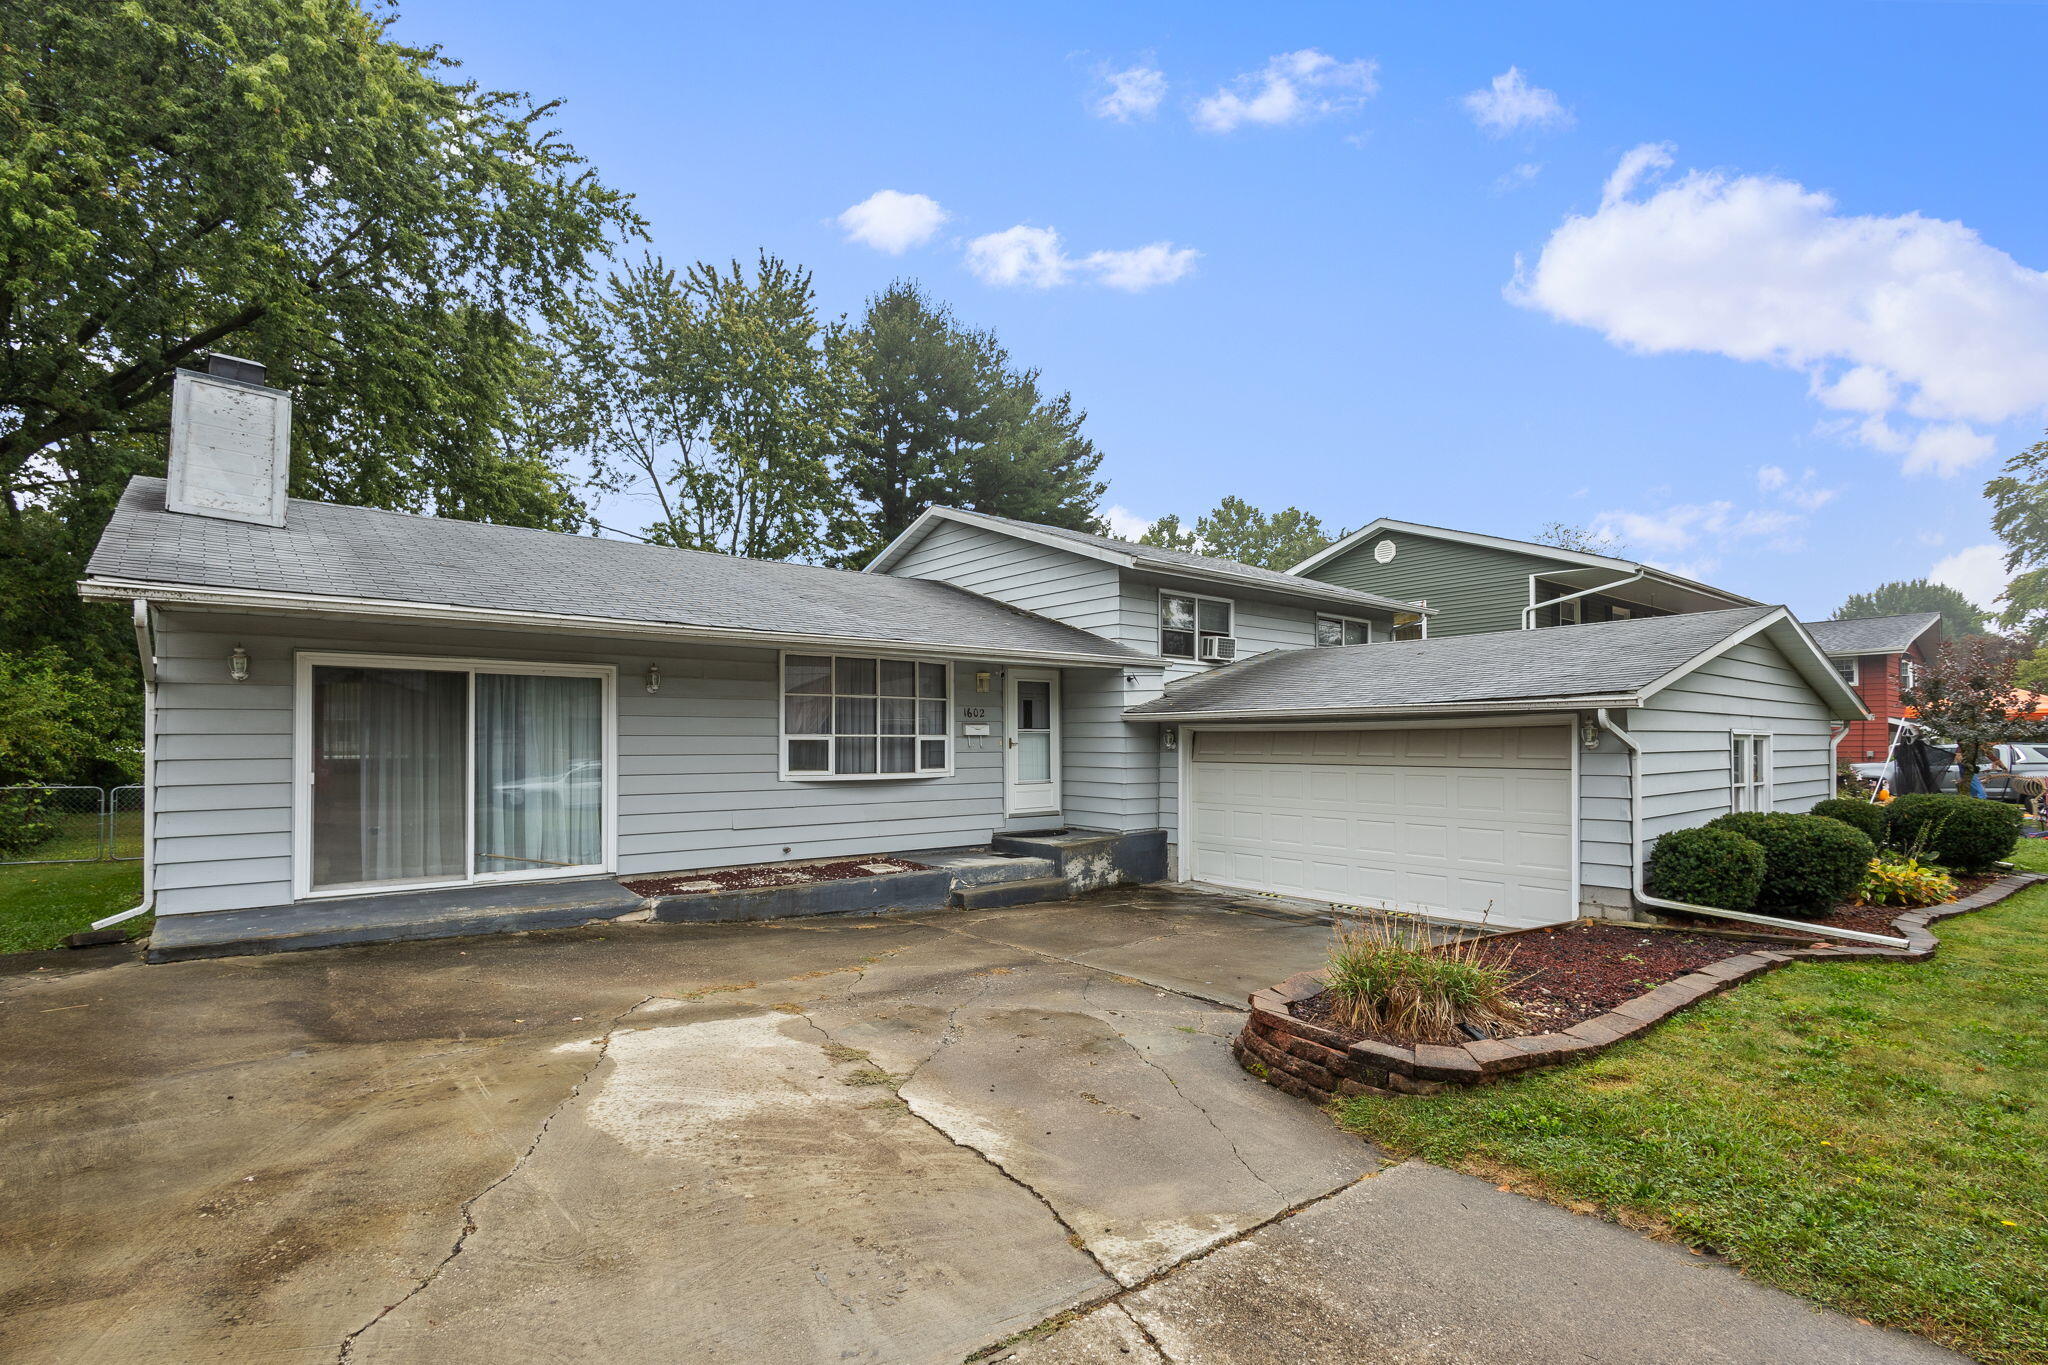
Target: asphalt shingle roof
(1170, 561)
(1871, 634)
(1507, 666)
(333, 550)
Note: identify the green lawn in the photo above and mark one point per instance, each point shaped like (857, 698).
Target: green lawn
(42, 902)
(1873, 1135)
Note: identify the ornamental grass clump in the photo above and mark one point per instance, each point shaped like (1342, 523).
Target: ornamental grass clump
(1381, 985)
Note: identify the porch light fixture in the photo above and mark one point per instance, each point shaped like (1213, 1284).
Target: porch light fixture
(238, 664)
(1589, 735)
(653, 678)
(1169, 737)
(981, 682)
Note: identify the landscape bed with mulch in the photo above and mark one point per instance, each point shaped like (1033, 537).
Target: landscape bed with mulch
(766, 875)
(1578, 971)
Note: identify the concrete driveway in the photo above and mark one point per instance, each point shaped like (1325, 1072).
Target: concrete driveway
(1017, 1132)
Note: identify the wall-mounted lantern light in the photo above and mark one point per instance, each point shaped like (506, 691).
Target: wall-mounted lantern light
(1589, 735)
(1169, 737)
(981, 682)
(653, 678)
(238, 664)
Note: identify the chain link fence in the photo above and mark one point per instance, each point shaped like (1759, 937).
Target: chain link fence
(70, 825)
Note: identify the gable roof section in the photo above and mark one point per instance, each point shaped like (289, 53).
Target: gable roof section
(1872, 634)
(1569, 559)
(1617, 663)
(330, 556)
(1131, 555)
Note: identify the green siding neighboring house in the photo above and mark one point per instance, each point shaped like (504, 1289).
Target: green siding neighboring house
(1475, 588)
(1476, 584)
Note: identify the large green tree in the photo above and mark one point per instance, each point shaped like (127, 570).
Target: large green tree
(2019, 516)
(947, 418)
(1237, 530)
(725, 400)
(1910, 596)
(282, 180)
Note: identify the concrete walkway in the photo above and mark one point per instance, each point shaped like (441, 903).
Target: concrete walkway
(898, 1140)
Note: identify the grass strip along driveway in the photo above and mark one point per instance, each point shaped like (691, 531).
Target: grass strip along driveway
(42, 902)
(1871, 1134)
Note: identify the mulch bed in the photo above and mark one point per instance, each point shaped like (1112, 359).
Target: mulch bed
(766, 875)
(1579, 971)
(1871, 919)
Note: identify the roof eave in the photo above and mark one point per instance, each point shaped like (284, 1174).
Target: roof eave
(1488, 706)
(204, 598)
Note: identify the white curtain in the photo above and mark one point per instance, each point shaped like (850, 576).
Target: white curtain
(388, 759)
(539, 772)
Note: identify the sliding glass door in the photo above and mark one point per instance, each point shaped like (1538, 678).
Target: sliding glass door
(421, 773)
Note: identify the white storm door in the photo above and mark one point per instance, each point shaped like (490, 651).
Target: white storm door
(1031, 757)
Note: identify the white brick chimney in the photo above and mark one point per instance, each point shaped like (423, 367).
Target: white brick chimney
(231, 443)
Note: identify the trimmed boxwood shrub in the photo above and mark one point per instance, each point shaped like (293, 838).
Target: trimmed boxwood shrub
(1867, 816)
(1966, 833)
(1811, 863)
(1715, 867)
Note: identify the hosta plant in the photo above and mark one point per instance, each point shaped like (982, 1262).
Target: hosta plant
(1903, 880)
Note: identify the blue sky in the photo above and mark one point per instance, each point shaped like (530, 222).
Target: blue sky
(1757, 287)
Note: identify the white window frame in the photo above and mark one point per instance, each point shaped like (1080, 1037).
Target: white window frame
(1198, 599)
(1909, 671)
(1323, 616)
(1749, 770)
(1620, 611)
(303, 664)
(783, 736)
(1854, 673)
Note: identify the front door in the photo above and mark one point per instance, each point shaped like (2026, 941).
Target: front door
(1031, 766)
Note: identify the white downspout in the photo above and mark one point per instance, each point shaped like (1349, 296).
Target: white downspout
(145, 647)
(1635, 862)
(1529, 612)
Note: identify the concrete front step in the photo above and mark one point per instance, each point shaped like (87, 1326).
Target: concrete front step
(452, 913)
(980, 867)
(993, 894)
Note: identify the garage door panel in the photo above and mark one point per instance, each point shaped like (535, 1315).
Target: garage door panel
(1406, 820)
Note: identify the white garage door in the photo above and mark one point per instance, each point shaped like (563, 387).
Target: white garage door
(1457, 823)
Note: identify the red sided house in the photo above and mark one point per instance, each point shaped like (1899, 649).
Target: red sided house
(1878, 656)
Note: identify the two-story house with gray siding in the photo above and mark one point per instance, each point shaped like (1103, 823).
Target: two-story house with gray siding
(1476, 583)
(347, 704)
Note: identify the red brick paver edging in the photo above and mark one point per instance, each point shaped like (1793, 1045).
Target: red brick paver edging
(1317, 1064)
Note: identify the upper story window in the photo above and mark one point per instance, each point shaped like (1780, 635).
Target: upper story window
(846, 716)
(1187, 623)
(1342, 630)
(1909, 672)
(1850, 669)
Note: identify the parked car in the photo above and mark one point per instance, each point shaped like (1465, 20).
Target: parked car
(2019, 760)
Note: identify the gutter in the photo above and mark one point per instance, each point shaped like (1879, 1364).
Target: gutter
(1635, 860)
(1496, 706)
(145, 648)
(1529, 612)
(376, 608)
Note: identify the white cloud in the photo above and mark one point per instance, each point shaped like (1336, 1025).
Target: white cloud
(1511, 103)
(1804, 492)
(1134, 93)
(1771, 478)
(1019, 256)
(1126, 523)
(1291, 88)
(1142, 267)
(1700, 526)
(1914, 325)
(1035, 258)
(891, 221)
(1978, 573)
(1517, 177)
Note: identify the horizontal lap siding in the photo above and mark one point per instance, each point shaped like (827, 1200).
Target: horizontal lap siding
(1070, 588)
(1473, 588)
(1684, 733)
(697, 761)
(1108, 772)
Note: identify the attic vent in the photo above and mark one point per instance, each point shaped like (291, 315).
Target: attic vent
(230, 444)
(1384, 551)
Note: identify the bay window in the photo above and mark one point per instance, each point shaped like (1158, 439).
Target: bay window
(855, 716)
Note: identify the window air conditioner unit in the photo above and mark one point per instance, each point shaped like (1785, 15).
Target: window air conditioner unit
(1219, 648)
